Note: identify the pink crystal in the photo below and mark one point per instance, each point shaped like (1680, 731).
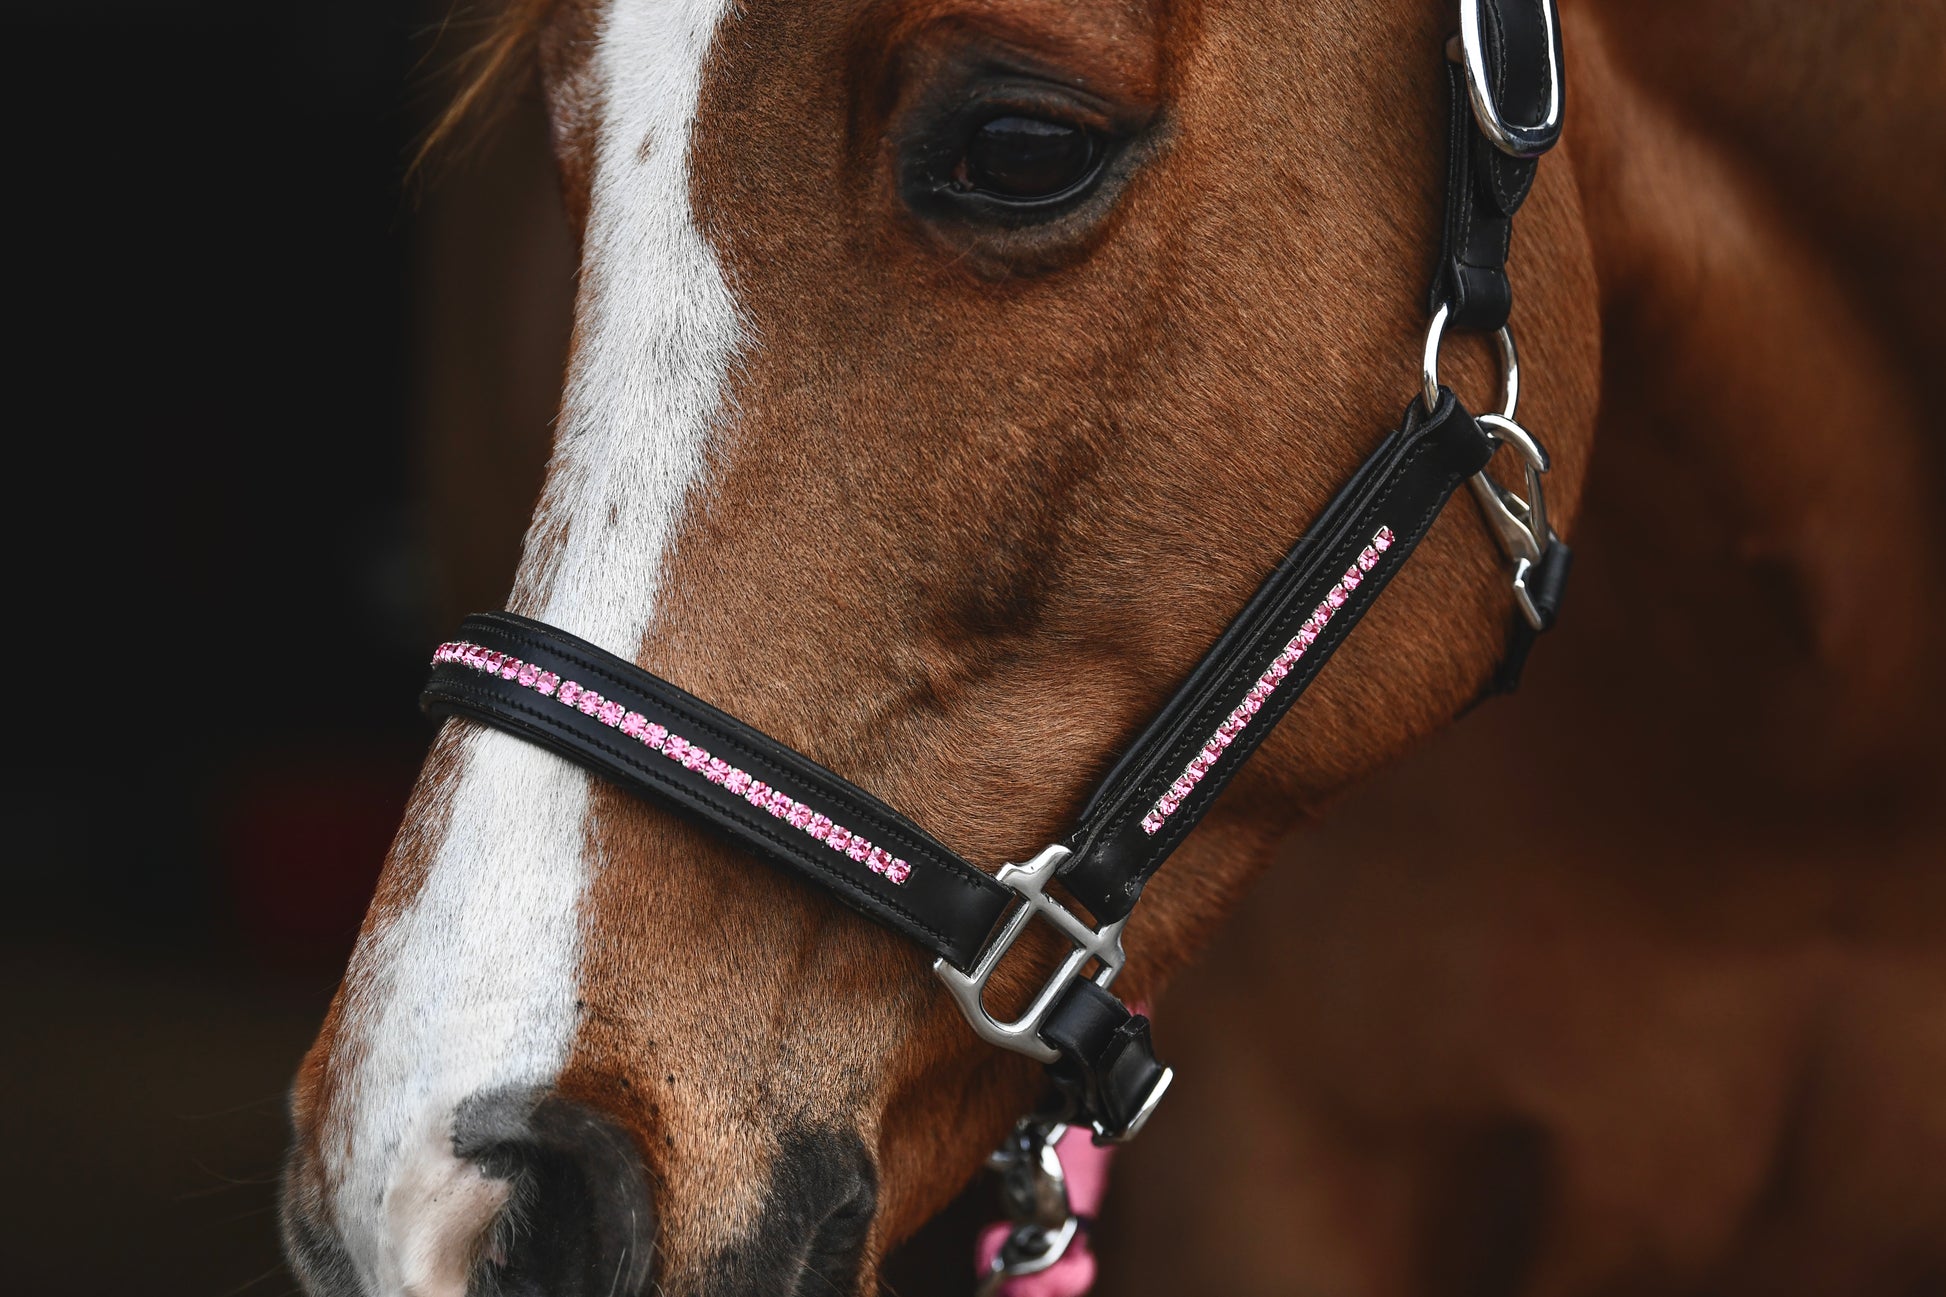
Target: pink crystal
(611, 714)
(1350, 579)
(1260, 691)
(1382, 541)
(529, 673)
(1169, 804)
(779, 803)
(1211, 753)
(545, 686)
(737, 781)
(1180, 788)
(1367, 559)
(799, 815)
(716, 770)
(759, 793)
(633, 724)
(877, 859)
(590, 702)
(1336, 596)
(494, 661)
(1150, 823)
(1228, 729)
(897, 871)
(859, 848)
(511, 669)
(819, 827)
(654, 736)
(569, 692)
(839, 838)
(1272, 674)
(696, 758)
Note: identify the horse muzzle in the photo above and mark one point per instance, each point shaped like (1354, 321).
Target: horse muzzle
(528, 1194)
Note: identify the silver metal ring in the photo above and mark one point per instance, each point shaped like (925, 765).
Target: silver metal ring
(1509, 365)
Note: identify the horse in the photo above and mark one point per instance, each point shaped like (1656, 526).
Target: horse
(950, 500)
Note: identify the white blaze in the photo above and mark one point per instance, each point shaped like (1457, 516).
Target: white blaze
(473, 986)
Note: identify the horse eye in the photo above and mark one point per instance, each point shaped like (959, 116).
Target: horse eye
(1026, 160)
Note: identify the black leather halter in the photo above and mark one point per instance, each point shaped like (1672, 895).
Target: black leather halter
(653, 739)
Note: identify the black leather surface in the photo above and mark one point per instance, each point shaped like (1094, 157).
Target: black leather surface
(946, 905)
(1402, 486)
(1107, 1065)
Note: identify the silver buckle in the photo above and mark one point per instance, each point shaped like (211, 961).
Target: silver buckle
(1029, 882)
(1513, 139)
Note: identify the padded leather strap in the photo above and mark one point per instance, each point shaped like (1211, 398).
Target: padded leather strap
(645, 734)
(1108, 1069)
(1300, 615)
(1485, 187)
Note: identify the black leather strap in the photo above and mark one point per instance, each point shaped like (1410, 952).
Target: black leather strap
(1546, 585)
(1485, 187)
(1108, 1067)
(944, 904)
(1401, 487)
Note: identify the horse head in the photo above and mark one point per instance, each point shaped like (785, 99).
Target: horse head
(945, 375)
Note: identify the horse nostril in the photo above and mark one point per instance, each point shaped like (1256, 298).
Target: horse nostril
(817, 1215)
(578, 1221)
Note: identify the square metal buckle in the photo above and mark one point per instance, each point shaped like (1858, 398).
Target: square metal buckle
(1029, 882)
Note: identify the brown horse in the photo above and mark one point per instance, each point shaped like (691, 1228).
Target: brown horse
(1650, 997)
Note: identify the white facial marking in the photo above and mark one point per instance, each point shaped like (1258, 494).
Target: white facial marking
(473, 987)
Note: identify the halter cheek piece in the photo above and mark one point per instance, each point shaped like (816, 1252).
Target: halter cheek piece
(650, 737)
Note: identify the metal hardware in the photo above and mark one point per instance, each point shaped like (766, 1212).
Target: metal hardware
(1519, 525)
(1034, 1193)
(1509, 364)
(1143, 1113)
(1029, 882)
(1033, 1183)
(1519, 141)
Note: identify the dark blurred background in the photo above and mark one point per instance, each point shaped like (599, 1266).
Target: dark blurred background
(241, 337)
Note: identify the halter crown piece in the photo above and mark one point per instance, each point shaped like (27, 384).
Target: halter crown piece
(653, 739)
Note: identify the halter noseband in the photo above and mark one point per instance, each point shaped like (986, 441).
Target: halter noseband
(653, 739)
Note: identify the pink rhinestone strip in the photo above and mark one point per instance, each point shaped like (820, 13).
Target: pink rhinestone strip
(679, 750)
(1273, 675)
